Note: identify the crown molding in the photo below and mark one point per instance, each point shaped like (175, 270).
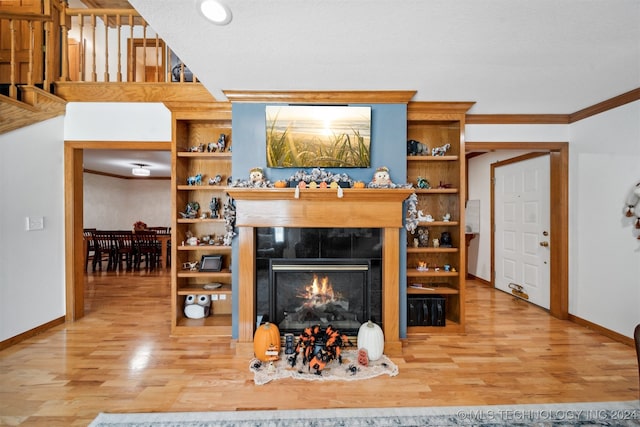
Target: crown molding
(609, 104)
(322, 97)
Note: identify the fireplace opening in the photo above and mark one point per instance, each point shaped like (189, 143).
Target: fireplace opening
(309, 276)
(307, 292)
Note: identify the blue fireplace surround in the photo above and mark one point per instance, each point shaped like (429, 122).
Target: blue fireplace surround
(388, 148)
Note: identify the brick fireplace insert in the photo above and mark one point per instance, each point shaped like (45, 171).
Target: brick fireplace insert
(319, 208)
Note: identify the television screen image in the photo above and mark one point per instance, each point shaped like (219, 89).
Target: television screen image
(302, 136)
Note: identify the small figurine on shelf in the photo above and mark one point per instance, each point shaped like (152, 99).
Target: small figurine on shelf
(424, 218)
(445, 239)
(197, 306)
(436, 243)
(215, 207)
(191, 210)
(195, 179)
(190, 265)
(440, 151)
(191, 240)
(416, 148)
(256, 176)
(222, 142)
(446, 217)
(423, 237)
(197, 148)
(423, 183)
(381, 177)
(215, 180)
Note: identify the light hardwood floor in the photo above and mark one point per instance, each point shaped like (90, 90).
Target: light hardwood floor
(120, 358)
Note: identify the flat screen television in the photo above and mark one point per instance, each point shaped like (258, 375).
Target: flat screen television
(305, 136)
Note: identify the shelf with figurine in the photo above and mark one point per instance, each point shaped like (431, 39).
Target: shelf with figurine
(435, 251)
(204, 224)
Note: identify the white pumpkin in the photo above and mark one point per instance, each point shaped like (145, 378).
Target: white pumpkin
(371, 338)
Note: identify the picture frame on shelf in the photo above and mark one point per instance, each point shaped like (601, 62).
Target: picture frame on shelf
(211, 263)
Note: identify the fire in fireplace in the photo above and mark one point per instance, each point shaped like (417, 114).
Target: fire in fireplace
(320, 292)
(332, 279)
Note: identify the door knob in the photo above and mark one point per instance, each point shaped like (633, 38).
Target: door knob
(545, 244)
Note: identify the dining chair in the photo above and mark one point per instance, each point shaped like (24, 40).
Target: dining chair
(89, 253)
(164, 231)
(124, 249)
(147, 246)
(104, 249)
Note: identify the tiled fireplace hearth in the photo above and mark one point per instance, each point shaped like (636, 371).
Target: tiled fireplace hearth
(319, 208)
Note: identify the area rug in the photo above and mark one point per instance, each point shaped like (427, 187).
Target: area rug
(622, 414)
(348, 370)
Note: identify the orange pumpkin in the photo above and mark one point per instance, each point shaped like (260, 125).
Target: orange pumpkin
(323, 185)
(358, 184)
(280, 184)
(266, 339)
(302, 184)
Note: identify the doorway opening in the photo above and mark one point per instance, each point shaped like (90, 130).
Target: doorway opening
(74, 215)
(146, 60)
(559, 213)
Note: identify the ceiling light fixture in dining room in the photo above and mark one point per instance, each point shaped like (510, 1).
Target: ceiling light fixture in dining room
(214, 11)
(140, 170)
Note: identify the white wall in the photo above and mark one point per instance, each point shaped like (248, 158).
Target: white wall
(604, 256)
(116, 203)
(31, 262)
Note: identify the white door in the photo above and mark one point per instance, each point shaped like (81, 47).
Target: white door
(521, 215)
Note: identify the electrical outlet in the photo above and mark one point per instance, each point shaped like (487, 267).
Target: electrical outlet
(35, 223)
(214, 297)
(223, 297)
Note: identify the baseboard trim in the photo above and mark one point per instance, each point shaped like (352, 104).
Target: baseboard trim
(601, 330)
(477, 279)
(31, 333)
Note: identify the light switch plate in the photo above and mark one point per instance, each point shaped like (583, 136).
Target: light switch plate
(35, 223)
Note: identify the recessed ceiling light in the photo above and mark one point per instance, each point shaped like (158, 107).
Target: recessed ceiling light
(215, 11)
(140, 170)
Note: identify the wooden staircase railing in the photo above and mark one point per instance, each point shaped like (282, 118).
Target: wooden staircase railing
(40, 41)
(105, 52)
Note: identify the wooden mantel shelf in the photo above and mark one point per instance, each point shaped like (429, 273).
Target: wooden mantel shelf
(279, 207)
(350, 194)
(320, 207)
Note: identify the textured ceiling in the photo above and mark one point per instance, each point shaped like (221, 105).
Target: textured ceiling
(120, 162)
(510, 57)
